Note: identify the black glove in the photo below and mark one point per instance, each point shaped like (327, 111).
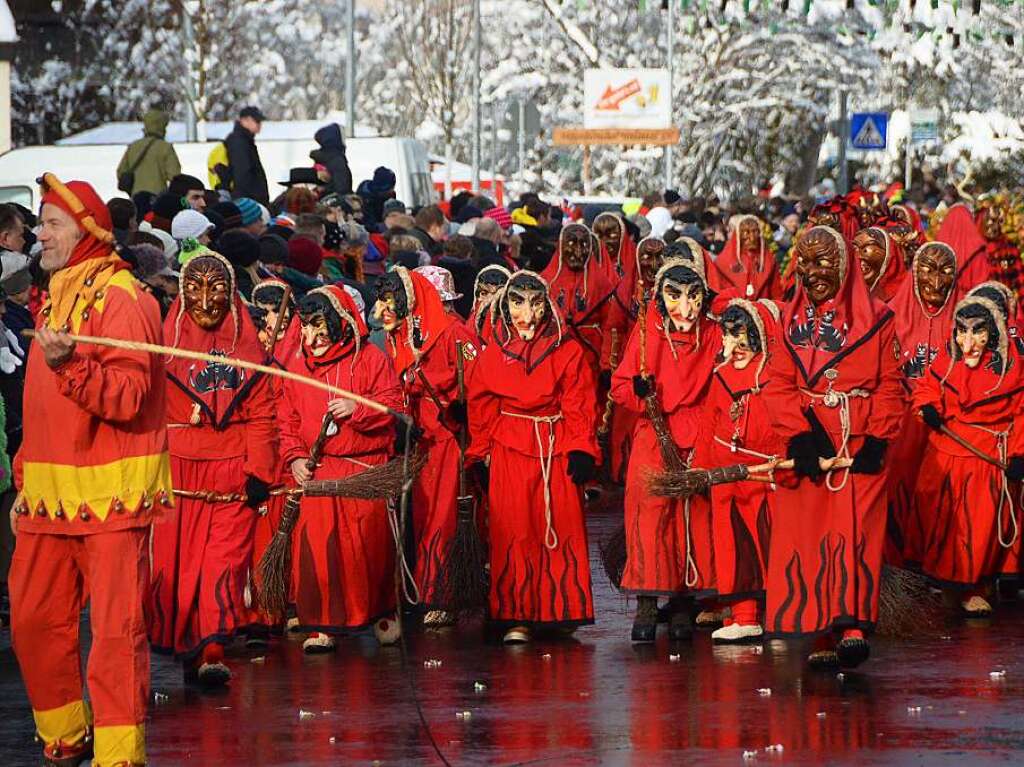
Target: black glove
(643, 385)
(402, 430)
(604, 379)
(481, 474)
(581, 467)
(804, 453)
(256, 492)
(822, 442)
(1015, 468)
(868, 459)
(456, 413)
(931, 416)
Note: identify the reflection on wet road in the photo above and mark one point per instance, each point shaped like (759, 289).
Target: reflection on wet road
(591, 700)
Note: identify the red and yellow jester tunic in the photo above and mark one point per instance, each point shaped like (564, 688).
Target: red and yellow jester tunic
(93, 471)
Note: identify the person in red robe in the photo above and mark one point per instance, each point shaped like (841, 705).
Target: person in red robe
(923, 313)
(582, 289)
(825, 567)
(969, 507)
(343, 553)
(670, 354)
(486, 287)
(611, 230)
(736, 428)
(1003, 256)
(223, 439)
(959, 231)
(880, 259)
(649, 256)
(531, 405)
(421, 339)
(746, 264)
(266, 300)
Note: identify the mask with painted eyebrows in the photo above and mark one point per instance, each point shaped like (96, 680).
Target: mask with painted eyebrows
(818, 264)
(206, 291)
(934, 274)
(974, 332)
(681, 298)
(526, 306)
(391, 306)
(577, 246)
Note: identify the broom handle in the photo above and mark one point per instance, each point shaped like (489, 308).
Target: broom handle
(971, 448)
(279, 321)
(826, 464)
(460, 383)
(170, 351)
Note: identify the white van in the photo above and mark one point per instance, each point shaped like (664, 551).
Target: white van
(93, 156)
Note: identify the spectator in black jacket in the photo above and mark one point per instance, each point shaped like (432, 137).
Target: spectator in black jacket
(248, 178)
(331, 155)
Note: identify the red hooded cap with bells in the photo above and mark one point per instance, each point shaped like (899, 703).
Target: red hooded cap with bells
(817, 335)
(922, 334)
(426, 320)
(80, 201)
(755, 277)
(959, 231)
(215, 389)
(93, 261)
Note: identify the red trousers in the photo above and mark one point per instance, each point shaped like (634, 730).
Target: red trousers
(51, 578)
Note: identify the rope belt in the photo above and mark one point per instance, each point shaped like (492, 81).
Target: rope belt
(1005, 498)
(546, 457)
(691, 575)
(833, 398)
(753, 454)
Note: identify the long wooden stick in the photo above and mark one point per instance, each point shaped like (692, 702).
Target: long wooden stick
(282, 307)
(170, 351)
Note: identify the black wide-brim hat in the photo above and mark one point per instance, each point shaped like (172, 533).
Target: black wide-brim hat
(302, 176)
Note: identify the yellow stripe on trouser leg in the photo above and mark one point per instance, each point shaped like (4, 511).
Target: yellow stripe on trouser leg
(67, 724)
(124, 744)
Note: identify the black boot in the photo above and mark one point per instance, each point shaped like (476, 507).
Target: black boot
(645, 624)
(853, 651)
(680, 626)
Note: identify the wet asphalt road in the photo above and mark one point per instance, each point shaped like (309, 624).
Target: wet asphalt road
(595, 699)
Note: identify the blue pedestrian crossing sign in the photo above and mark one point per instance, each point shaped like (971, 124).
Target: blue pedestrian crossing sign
(868, 130)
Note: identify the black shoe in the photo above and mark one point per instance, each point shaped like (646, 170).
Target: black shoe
(644, 632)
(680, 627)
(852, 652)
(645, 624)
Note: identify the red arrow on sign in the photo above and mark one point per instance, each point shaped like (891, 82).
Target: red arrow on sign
(612, 98)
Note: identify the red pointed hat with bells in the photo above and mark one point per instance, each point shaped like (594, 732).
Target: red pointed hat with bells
(80, 283)
(80, 201)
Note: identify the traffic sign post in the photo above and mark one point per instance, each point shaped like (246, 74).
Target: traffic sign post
(868, 130)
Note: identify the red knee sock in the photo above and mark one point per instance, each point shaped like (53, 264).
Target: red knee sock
(213, 653)
(853, 634)
(744, 612)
